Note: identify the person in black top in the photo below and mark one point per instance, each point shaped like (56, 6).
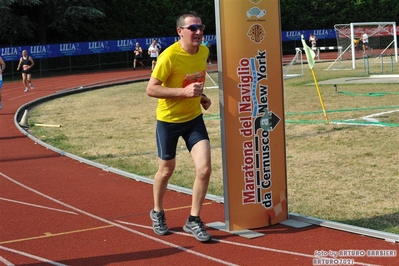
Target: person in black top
(27, 63)
(138, 56)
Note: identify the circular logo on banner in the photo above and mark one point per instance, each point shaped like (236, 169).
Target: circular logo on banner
(256, 33)
(255, 1)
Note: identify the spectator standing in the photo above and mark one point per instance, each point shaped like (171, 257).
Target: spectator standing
(206, 43)
(313, 41)
(154, 50)
(138, 56)
(365, 42)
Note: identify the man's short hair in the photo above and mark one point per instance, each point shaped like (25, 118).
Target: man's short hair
(182, 17)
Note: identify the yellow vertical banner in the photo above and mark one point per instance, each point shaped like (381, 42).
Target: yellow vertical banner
(252, 112)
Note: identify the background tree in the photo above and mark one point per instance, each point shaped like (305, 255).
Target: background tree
(142, 18)
(55, 21)
(33, 21)
(319, 14)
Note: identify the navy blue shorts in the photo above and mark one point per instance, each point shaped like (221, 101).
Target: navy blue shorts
(167, 135)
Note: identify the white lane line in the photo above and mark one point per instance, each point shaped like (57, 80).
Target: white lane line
(371, 121)
(22, 96)
(248, 246)
(6, 262)
(119, 225)
(357, 124)
(32, 256)
(370, 117)
(37, 206)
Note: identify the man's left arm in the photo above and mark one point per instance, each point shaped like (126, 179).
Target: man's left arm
(205, 102)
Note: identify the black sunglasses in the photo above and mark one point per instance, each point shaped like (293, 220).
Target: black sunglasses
(194, 27)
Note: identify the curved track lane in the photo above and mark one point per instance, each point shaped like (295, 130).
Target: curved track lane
(58, 211)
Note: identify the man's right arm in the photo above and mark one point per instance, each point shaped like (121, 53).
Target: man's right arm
(156, 90)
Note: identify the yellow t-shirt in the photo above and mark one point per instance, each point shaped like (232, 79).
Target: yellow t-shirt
(176, 69)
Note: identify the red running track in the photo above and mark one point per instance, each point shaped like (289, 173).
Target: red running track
(58, 211)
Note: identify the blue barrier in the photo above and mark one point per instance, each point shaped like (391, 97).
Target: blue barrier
(13, 53)
(86, 48)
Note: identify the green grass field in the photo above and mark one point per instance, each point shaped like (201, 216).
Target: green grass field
(345, 171)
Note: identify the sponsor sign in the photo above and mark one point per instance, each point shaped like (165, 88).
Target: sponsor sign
(253, 134)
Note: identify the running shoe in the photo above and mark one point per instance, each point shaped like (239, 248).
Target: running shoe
(1, 105)
(26, 90)
(197, 229)
(159, 223)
